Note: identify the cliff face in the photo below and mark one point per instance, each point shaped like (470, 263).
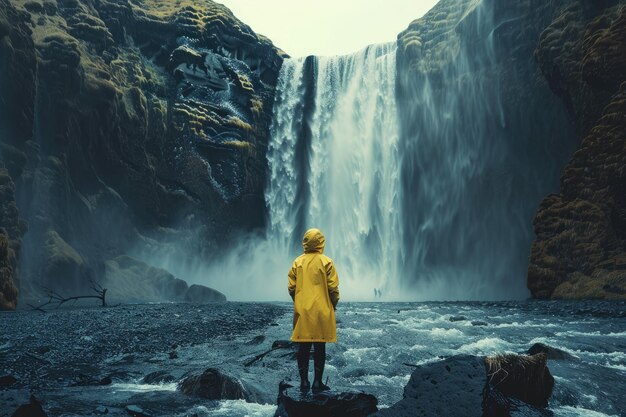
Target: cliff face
(125, 124)
(485, 139)
(512, 89)
(580, 249)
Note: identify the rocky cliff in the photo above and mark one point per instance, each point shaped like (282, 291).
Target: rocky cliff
(484, 140)
(123, 125)
(516, 88)
(580, 249)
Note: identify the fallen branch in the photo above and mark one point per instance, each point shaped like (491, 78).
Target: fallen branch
(262, 355)
(56, 299)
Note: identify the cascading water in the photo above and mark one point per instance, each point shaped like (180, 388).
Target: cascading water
(334, 164)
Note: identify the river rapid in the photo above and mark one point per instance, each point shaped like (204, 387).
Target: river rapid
(76, 360)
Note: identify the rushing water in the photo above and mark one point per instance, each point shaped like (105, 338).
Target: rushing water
(62, 363)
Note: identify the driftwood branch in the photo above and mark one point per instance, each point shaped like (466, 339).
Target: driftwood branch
(57, 300)
(262, 355)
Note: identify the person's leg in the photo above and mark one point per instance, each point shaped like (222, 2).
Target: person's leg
(319, 361)
(304, 350)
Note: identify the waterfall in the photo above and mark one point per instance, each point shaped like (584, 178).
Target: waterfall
(334, 164)
(423, 170)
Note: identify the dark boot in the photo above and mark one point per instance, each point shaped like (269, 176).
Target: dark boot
(303, 365)
(319, 362)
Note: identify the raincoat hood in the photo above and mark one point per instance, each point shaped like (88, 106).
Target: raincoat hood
(313, 241)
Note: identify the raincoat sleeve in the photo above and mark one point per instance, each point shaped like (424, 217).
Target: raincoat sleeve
(333, 283)
(291, 282)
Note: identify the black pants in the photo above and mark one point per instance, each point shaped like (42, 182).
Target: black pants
(319, 359)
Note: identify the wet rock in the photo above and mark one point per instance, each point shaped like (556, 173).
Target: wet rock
(479, 323)
(65, 269)
(33, 409)
(430, 385)
(256, 340)
(173, 355)
(457, 318)
(497, 404)
(526, 378)
(474, 386)
(551, 352)
(136, 411)
(101, 410)
(214, 385)
(158, 377)
(10, 235)
(201, 294)
(7, 380)
(90, 380)
(284, 344)
(292, 403)
(129, 279)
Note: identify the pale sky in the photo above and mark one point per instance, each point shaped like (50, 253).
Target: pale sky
(328, 27)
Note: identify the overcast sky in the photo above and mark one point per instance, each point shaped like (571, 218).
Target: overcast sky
(327, 27)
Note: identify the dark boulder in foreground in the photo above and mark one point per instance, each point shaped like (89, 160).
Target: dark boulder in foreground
(551, 352)
(214, 385)
(293, 403)
(452, 387)
(33, 409)
(526, 378)
(475, 386)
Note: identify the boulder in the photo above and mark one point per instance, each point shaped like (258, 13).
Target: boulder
(452, 387)
(129, 279)
(201, 294)
(7, 380)
(256, 340)
(293, 403)
(136, 411)
(526, 378)
(65, 270)
(551, 352)
(474, 386)
(158, 377)
(212, 384)
(497, 404)
(32, 409)
(457, 318)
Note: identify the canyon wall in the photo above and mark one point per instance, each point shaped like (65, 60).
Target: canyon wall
(125, 125)
(580, 249)
(495, 97)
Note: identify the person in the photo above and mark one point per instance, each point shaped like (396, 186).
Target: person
(313, 285)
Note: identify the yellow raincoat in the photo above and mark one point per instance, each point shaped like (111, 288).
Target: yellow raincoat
(314, 286)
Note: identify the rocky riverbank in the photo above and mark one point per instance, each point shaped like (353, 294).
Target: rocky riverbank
(223, 359)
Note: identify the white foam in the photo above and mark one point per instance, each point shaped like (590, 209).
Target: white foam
(238, 408)
(394, 381)
(516, 324)
(487, 345)
(615, 366)
(439, 332)
(568, 411)
(138, 387)
(596, 333)
(358, 354)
